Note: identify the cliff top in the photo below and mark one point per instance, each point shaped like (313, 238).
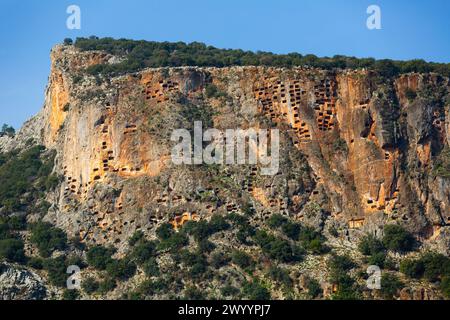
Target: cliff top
(138, 55)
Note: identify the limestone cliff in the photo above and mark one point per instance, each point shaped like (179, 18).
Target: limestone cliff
(358, 151)
(369, 151)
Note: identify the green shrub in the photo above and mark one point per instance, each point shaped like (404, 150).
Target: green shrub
(312, 240)
(90, 285)
(441, 167)
(340, 145)
(291, 230)
(278, 249)
(276, 221)
(370, 245)
(211, 91)
(144, 251)
(377, 259)
(280, 275)
(71, 294)
(390, 285)
(122, 269)
(56, 269)
(47, 238)
(107, 285)
(151, 287)
(68, 41)
(314, 288)
(151, 268)
(396, 238)
(17, 223)
(36, 263)
(254, 290)
(241, 259)
(99, 257)
(175, 242)
(135, 238)
(435, 265)
(219, 260)
(218, 223)
(206, 246)
(22, 174)
(7, 130)
(340, 265)
(192, 293)
(229, 291)
(165, 231)
(412, 268)
(347, 288)
(196, 261)
(12, 250)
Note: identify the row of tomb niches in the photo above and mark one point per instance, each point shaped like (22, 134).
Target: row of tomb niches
(159, 91)
(280, 101)
(325, 94)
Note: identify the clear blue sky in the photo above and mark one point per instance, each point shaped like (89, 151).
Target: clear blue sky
(29, 28)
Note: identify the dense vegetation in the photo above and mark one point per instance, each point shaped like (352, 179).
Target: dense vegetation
(396, 238)
(142, 54)
(25, 176)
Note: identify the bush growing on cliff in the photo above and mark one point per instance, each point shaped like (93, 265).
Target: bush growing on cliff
(370, 245)
(276, 221)
(241, 259)
(56, 269)
(390, 285)
(175, 242)
(314, 288)
(278, 249)
(412, 268)
(68, 41)
(396, 238)
(255, 290)
(12, 250)
(7, 130)
(121, 269)
(47, 238)
(165, 231)
(151, 268)
(431, 266)
(135, 238)
(281, 276)
(99, 257)
(90, 285)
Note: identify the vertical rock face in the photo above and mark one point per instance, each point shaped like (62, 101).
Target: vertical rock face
(361, 149)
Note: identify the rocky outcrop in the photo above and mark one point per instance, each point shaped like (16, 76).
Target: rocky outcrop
(17, 283)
